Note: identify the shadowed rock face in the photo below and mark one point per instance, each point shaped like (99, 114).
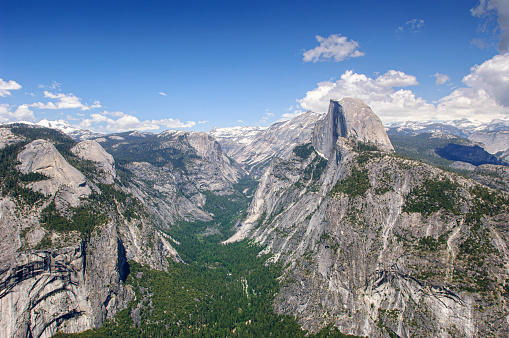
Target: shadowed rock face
(349, 118)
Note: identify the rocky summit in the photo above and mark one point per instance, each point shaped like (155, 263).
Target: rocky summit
(316, 226)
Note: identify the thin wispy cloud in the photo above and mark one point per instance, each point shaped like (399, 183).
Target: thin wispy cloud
(494, 16)
(162, 94)
(53, 86)
(414, 25)
(335, 47)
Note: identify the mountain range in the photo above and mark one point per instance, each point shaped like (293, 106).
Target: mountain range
(325, 224)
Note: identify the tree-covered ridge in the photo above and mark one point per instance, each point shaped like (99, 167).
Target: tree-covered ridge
(13, 182)
(433, 195)
(126, 148)
(94, 211)
(356, 184)
(422, 147)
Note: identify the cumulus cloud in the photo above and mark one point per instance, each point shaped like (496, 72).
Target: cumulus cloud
(123, 123)
(441, 78)
(22, 113)
(7, 86)
(119, 122)
(379, 93)
(64, 101)
(487, 11)
(414, 25)
(335, 47)
(484, 97)
(493, 77)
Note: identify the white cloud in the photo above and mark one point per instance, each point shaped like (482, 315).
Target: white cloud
(414, 25)
(163, 94)
(379, 93)
(493, 77)
(441, 78)
(471, 103)
(487, 10)
(484, 98)
(201, 122)
(22, 113)
(171, 123)
(64, 101)
(335, 47)
(289, 116)
(124, 123)
(7, 86)
(119, 122)
(395, 78)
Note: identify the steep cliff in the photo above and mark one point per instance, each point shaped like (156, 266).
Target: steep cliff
(349, 118)
(173, 172)
(379, 245)
(255, 147)
(66, 236)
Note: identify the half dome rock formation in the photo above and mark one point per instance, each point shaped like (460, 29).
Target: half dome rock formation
(349, 118)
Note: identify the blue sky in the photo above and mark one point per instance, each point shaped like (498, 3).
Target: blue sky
(123, 65)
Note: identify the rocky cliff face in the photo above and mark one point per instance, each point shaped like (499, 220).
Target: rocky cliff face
(378, 245)
(92, 151)
(255, 148)
(493, 142)
(66, 236)
(349, 118)
(172, 172)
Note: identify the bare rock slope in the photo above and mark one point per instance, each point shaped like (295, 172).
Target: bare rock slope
(378, 245)
(66, 237)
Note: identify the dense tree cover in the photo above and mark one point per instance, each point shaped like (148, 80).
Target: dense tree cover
(422, 147)
(175, 152)
(83, 219)
(354, 185)
(433, 195)
(304, 151)
(62, 142)
(221, 291)
(226, 292)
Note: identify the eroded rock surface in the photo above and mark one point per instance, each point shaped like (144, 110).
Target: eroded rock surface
(380, 246)
(41, 156)
(92, 151)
